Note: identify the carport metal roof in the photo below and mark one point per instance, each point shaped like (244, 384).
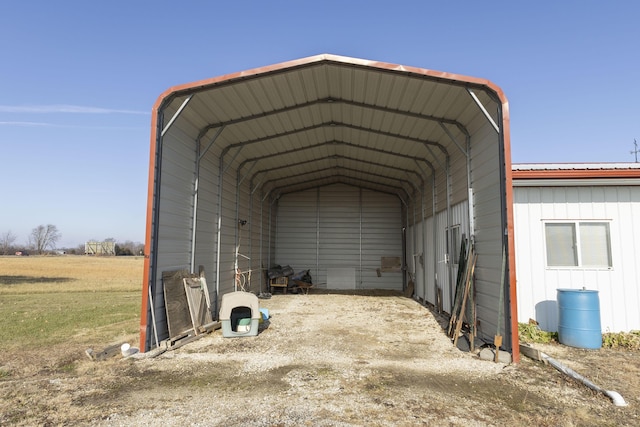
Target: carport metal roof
(327, 119)
(316, 120)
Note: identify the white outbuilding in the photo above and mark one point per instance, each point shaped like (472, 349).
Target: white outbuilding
(576, 226)
(366, 174)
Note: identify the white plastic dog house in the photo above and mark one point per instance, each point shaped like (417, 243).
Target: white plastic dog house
(239, 314)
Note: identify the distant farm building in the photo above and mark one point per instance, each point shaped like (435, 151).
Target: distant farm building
(100, 248)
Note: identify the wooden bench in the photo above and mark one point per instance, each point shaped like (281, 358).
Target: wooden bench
(279, 282)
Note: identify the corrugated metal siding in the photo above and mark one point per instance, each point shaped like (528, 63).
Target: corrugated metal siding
(459, 219)
(339, 230)
(174, 217)
(325, 228)
(489, 230)
(381, 237)
(537, 285)
(207, 226)
(228, 234)
(296, 241)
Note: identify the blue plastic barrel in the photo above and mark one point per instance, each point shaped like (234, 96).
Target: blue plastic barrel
(579, 318)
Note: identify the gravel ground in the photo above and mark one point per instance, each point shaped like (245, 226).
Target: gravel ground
(321, 360)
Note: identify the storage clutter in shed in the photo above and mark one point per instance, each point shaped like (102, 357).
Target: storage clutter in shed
(285, 279)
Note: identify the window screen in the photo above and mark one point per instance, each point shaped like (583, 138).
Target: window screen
(595, 244)
(561, 244)
(578, 244)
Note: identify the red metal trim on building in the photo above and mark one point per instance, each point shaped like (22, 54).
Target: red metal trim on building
(575, 173)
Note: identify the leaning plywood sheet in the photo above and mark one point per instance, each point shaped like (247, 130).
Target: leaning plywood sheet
(391, 264)
(178, 317)
(197, 301)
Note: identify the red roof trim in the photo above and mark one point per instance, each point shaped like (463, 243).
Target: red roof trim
(576, 173)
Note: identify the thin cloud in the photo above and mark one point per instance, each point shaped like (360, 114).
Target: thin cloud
(53, 125)
(28, 124)
(63, 108)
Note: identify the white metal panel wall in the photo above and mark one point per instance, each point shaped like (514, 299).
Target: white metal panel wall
(174, 217)
(381, 236)
(459, 218)
(296, 241)
(206, 236)
(229, 227)
(337, 227)
(339, 209)
(537, 286)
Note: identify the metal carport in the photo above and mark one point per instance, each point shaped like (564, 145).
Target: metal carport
(226, 150)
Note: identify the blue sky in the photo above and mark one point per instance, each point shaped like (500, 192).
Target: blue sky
(78, 80)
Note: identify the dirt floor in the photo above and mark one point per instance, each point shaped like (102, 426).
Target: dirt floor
(321, 360)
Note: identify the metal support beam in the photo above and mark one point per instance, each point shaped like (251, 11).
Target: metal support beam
(175, 116)
(484, 110)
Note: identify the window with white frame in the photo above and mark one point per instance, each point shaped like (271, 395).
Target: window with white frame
(582, 244)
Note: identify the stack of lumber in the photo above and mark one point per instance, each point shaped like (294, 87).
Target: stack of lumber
(464, 295)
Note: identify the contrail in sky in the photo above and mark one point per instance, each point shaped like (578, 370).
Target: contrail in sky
(63, 108)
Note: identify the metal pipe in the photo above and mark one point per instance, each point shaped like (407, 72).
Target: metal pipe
(175, 115)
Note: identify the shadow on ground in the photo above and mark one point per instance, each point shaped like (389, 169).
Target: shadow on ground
(15, 280)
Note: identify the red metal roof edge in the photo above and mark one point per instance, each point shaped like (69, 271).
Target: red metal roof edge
(579, 172)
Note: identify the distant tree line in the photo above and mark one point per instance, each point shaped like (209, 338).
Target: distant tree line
(44, 238)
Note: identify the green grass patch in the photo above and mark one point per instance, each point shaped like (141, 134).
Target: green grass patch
(531, 333)
(35, 319)
(621, 340)
(70, 300)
